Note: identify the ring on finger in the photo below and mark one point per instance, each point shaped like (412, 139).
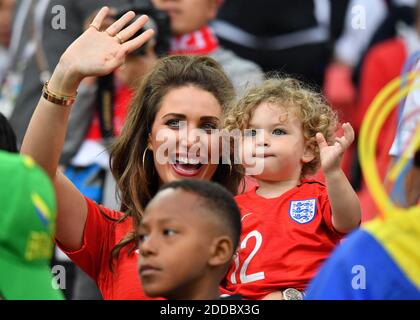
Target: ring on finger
(120, 40)
(94, 26)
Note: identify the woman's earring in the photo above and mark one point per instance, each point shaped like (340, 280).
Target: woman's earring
(144, 156)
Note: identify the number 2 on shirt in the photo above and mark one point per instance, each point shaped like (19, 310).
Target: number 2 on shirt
(243, 277)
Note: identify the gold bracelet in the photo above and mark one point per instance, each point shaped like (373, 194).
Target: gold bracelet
(59, 99)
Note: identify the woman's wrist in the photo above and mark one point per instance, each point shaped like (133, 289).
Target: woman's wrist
(64, 80)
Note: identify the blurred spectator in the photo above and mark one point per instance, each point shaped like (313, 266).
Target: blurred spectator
(286, 36)
(19, 48)
(362, 19)
(383, 63)
(7, 136)
(49, 40)
(399, 13)
(361, 22)
(192, 34)
(407, 192)
(411, 183)
(6, 12)
(27, 223)
(366, 24)
(380, 261)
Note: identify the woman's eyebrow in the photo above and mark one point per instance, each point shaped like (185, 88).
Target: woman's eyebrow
(177, 115)
(210, 118)
(183, 116)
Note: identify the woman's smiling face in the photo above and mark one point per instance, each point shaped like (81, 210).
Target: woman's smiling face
(182, 139)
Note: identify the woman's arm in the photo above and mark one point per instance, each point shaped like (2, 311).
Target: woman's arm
(94, 53)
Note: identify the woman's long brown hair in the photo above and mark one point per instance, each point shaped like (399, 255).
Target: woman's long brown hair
(138, 182)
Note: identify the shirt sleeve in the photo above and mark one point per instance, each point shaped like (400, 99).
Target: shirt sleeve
(331, 283)
(97, 235)
(342, 274)
(361, 269)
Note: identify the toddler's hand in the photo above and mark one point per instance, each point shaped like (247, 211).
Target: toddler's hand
(331, 155)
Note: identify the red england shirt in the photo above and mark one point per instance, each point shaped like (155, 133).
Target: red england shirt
(284, 240)
(101, 234)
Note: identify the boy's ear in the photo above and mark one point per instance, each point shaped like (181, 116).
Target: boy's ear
(309, 151)
(221, 251)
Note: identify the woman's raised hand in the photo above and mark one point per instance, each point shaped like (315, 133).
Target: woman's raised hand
(97, 52)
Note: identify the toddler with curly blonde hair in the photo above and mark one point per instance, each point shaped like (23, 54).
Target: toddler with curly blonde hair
(290, 224)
